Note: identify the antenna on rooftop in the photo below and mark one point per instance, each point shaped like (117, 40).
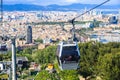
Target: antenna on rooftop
(73, 20)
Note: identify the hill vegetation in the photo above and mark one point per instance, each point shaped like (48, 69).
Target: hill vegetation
(97, 60)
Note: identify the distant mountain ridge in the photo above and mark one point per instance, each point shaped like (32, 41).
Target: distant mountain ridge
(54, 7)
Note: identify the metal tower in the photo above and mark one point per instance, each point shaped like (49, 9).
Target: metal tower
(13, 59)
(14, 77)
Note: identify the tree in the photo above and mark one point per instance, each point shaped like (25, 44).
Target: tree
(89, 54)
(108, 67)
(46, 55)
(97, 60)
(69, 75)
(27, 51)
(39, 40)
(45, 75)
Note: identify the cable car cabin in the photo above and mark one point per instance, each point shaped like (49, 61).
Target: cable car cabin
(68, 55)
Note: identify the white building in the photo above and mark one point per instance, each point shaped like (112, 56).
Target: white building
(2, 67)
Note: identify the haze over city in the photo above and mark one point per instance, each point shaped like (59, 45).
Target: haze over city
(60, 2)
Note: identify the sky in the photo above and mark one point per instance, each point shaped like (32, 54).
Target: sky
(59, 2)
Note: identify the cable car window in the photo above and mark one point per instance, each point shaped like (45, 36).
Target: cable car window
(71, 57)
(69, 48)
(70, 53)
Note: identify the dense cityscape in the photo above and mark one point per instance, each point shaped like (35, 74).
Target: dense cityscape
(37, 34)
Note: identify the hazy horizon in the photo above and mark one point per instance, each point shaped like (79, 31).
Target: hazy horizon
(60, 2)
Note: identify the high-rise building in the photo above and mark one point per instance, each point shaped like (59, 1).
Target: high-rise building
(113, 20)
(29, 35)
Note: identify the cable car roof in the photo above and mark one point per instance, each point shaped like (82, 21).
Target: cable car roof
(68, 43)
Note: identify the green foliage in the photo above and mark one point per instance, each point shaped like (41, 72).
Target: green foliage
(46, 55)
(108, 66)
(27, 51)
(87, 59)
(45, 75)
(48, 23)
(58, 23)
(69, 75)
(3, 76)
(81, 22)
(39, 40)
(6, 57)
(62, 75)
(97, 60)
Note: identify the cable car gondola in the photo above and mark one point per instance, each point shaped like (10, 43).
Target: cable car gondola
(68, 55)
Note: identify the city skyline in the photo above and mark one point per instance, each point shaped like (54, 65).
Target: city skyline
(60, 2)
